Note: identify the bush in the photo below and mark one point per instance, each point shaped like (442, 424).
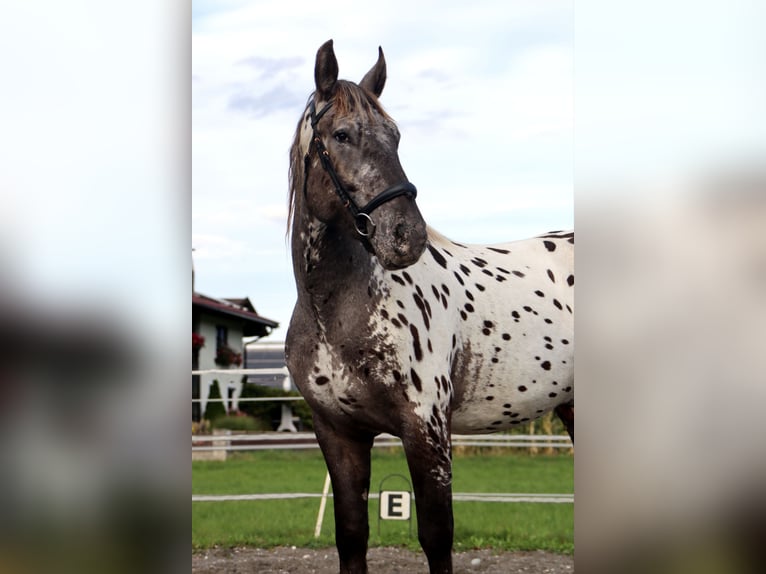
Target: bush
(214, 410)
(239, 423)
(267, 412)
(201, 427)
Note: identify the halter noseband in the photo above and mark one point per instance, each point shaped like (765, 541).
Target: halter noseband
(362, 219)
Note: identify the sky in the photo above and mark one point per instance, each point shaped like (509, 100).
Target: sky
(482, 93)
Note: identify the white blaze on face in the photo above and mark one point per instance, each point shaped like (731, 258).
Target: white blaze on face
(306, 134)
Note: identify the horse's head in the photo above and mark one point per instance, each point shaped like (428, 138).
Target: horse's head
(345, 165)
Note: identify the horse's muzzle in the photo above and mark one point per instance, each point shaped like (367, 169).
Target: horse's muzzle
(402, 244)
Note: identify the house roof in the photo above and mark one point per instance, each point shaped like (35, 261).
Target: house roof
(252, 323)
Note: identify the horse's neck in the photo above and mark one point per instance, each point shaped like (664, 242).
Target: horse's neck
(331, 270)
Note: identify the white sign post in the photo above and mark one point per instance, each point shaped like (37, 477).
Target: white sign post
(395, 504)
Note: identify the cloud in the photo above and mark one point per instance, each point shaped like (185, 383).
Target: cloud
(217, 247)
(270, 89)
(260, 105)
(435, 75)
(240, 215)
(433, 122)
(268, 67)
(275, 213)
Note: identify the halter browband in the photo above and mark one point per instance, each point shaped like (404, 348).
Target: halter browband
(362, 219)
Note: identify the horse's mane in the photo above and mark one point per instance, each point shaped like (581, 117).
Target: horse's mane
(436, 237)
(348, 98)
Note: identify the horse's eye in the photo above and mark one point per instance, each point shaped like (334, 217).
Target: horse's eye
(340, 136)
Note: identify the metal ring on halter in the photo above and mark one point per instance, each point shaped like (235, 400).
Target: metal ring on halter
(365, 221)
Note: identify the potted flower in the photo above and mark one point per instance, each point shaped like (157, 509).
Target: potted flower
(198, 341)
(226, 356)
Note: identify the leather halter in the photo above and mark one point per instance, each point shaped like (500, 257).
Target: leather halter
(363, 223)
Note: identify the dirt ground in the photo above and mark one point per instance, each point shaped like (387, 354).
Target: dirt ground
(380, 560)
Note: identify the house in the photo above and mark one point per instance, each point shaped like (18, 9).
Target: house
(218, 327)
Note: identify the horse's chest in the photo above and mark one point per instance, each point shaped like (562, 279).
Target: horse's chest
(358, 379)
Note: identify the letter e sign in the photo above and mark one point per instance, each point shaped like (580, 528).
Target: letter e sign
(395, 505)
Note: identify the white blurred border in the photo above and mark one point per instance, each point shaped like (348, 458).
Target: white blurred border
(670, 172)
(94, 285)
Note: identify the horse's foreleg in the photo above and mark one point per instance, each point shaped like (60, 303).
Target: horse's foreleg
(431, 471)
(566, 413)
(348, 461)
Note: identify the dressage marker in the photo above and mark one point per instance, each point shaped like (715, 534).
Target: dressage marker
(395, 504)
(398, 329)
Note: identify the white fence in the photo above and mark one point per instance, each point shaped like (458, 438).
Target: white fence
(295, 440)
(276, 372)
(224, 443)
(279, 441)
(299, 441)
(456, 496)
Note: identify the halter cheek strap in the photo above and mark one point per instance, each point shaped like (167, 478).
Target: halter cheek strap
(363, 223)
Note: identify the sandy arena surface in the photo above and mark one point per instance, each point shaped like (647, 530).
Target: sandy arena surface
(380, 560)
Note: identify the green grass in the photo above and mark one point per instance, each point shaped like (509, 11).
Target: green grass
(506, 526)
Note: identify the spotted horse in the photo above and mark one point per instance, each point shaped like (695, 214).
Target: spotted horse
(399, 330)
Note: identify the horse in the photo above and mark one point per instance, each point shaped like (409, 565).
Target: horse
(397, 329)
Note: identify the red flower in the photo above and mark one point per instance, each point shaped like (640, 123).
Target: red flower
(198, 341)
(226, 356)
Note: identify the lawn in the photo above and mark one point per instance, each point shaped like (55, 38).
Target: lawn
(267, 523)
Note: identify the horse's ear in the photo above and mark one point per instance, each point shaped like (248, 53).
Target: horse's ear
(375, 79)
(326, 70)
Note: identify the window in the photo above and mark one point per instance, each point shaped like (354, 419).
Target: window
(221, 336)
